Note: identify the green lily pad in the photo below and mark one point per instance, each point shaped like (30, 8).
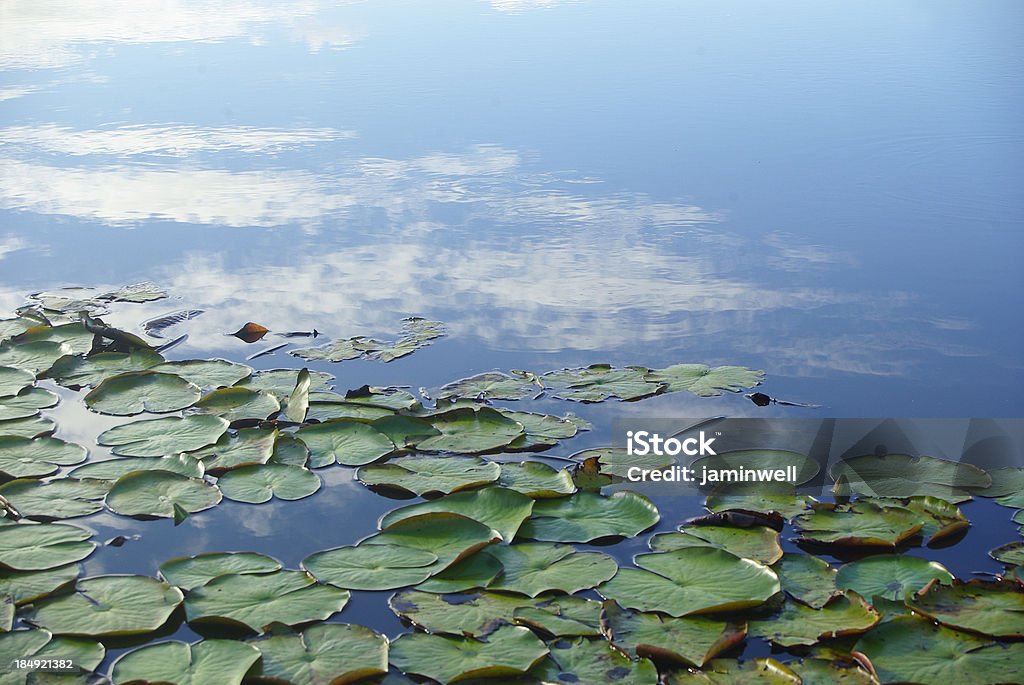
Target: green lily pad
(537, 567)
(404, 431)
(289, 450)
(586, 516)
(987, 607)
(422, 475)
(224, 662)
(31, 427)
(497, 508)
(492, 385)
(753, 499)
(345, 442)
(328, 411)
(63, 498)
(561, 616)
(336, 351)
(1005, 482)
(327, 654)
(139, 391)
(164, 436)
(112, 469)
(27, 586)
(160, 494)
(389, 398)
(1011, 553)
(40, 644)
(247, 447)
(13, 381)
(238, 404)
(831, 671)
(541, 430)
(798, 624)
(727, 469)
(901, 475)
(74, 371)
(704, 381)
(257, 484)
(536, 479)
(508, 652)
(692, 581)
(36, 547)
(104, 606)
(471, 431)
(599, 382)
(256, 601)
(281, 382)
(475, 614)
(12, 327)
(691, 640)
(474, 572)
(26, 457)
(859, 524)
(808, 579)
(26, 403)
(74, 335)
(892, 576)
(34, 357)
(757, 542)
(760, 671)
(136, 292)
(189, 573)
(915, 650)
(593, 661)
(207, 373)
(940, 518)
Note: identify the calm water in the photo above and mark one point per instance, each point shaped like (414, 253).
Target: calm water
(827, 191)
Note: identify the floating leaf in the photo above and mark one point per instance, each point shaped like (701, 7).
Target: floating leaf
(104, 606)
(224, 662)
(246, 447)
(136, 292)
(493, 385)
(189, 573)
(593, 661)
(534, 568)
(26, 403)
(599, 382)
(345, 442)
(207, 373)
(139, 391)
(298, 401)
(940, 519)
(12, 327)
(404, 431)
(26, 457)
(915, 650)
(692, 581)
(63, 498)
(541, 430)
(289, 450)
(31, 427)
(755, 500)
(705, 381)
(337, 351)
(1011, 553)
(508, 652)
(112, 469)
(859, 523)
(797, 624)
(536, 479)
(238, 404)
(160, 437)
(473, 572)
(586, 516)
(75, 335)
(691, 640)
(27, 586)
(281, 382)
(757, 542)
(471, 431)
(561, 616)
(759, 671)
(422, 475)
(1005, 482)
(251, 332)
(328, 654)
(256, 601)
(901, 475)
(616, 461)
(258, 484)
(732, 468)
(158, 493)
(13, 381)
(390, 398)
(808, 579)
(35, 547)
(41, 645)
(497, 508)
(891, 576)
(74, 371)
(326, 411)
(475, 614)
(987, 607)
(837, 669)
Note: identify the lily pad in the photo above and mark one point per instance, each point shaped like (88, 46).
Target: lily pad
(336, 351)
(136, 292)
(498, 508)
(26, 457)
(593, 661)
(760, 671)
(63, 498)
(536, 479)
(858, 524)
(692, 581)
(599, 382)
(475, 614)
(105, 606)
(40, 644)
(389, 398)
(940, 518)
(533, 568)
(281, 382)
(1006, 482)
(422, 475)
(987, 607)
(829, 671)
(112, 469)
(246, 447)
(238, 404)
(704, 381)
(916, 650)
(160, 494)
(508, 652)
(75, 371)
(586, 516)
(12, 327)
(224, 662)
(471, 573)
(74, 335)
(289, 450)
(728, 469)
(493, 385)
(561, 616)
(757, 542)
(189, 573)
(34, 547)
(164, 436)
(471, 431)
(691, 640)
(404, 431)
(808, 579)
(345, 442)
(256, 601)
(26, 403)
(31, 427)
(892, 576)
(328, 411)
(754, 500)
(13, 381)
(139, 391)
(34, 357)
(901, 475)
(325, 654)
(257, 484)
(207, 373)
(1011, 553)
(798, 624)
(27, 586)
(541, 430)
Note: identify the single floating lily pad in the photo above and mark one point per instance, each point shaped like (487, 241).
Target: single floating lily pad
(754, 500)
(471, 431)
(901, 475)
(258, 484)
(63, 498)
(599, 382)
(329, 653)
(759, 671)
(593, 661)
(139, 391)
(160, 494)
(31, 427)
(422, 475)
(41, 644)
(34, 547)
(892, 576)
(247, 447)
(164, 436)
(27, 586)
(691, 640)
(508, 652)
(1011, 553)
(498, 508)
(207, 373)
(757, 542)
(371, 567)
(493, 385)
(810, 580)
(112, 469)
(256, 601)
(540, 430)
(858, 524)
(224, 662)
(26, 403)
(533, 568)
(189, 573)
(74, 371)
(238, 404)
(586, 516)
(13, 381)
(536, 479)
(34, 357)
(32, 458)
(987, 607)
(345, 442)
(704, 381)
(105, 606)
(798, 624)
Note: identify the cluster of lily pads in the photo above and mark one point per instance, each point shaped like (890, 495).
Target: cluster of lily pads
(498, 569)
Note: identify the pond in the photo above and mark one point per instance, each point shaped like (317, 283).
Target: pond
(824, 193)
